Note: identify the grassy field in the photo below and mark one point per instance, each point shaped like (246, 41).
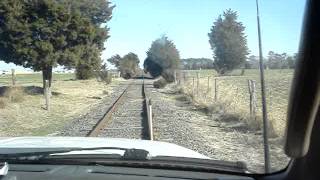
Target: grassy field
(27, 116)
(233, 94)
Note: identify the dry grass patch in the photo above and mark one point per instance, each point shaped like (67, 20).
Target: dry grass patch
(233, 95)
(70, 99)
(15, 94)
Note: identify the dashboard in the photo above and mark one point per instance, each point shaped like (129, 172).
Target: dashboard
(96, 172)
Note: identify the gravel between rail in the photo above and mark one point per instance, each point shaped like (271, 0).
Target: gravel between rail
(129, 118)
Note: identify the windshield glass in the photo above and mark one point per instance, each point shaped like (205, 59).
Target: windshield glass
(209, 79)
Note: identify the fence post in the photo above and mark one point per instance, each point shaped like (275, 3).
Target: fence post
(150, 120)
(111, 78)
(250, 97)
(208, 85)
(215, 90)
(197, 83)
(193, 86)
(254, 99)
(13, 77)
(175, 76)
(47, 94)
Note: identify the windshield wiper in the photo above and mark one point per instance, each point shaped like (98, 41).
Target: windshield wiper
(40, 153)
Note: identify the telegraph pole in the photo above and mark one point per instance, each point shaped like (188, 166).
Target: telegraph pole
(264, 105)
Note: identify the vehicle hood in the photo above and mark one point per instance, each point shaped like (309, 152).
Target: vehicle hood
(155, 148)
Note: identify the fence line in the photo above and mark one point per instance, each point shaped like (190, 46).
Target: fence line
(240, 95)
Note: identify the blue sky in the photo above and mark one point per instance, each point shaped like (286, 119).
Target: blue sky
(136, 23)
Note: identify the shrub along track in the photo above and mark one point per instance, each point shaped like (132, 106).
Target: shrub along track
(124, 117)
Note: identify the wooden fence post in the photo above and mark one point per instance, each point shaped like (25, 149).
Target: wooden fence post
(215, 90)
(150, 120)
(47, 94)
(252, 99)
(197, 83)
(193, 86)
(13, 77)
(208, 84)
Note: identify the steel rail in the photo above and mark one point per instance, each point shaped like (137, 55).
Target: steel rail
(102, 123)
(106, 119)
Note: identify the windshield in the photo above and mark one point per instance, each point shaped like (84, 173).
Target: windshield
(210, 77)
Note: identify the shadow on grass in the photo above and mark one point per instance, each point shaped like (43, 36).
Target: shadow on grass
(141, 77)
(94, 97)
(30, 90)
(71, 79)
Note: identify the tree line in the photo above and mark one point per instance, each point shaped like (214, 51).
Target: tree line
(197, 63)
(273, 61)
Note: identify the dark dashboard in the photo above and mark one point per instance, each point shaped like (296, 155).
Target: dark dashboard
(61, 172)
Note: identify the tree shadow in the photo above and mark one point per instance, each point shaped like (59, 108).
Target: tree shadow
(71, 79)
(142, 77)
(144, 123)
(94, 97)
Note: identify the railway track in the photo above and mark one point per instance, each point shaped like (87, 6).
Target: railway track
(126, 117)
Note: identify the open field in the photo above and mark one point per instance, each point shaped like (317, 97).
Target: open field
(70, 98)
(232, 95)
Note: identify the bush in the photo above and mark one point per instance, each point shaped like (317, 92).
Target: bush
(126, 74)
(15, 94)
(161, 83)
(168, 75)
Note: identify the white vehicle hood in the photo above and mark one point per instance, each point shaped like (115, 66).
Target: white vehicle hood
(155, 148)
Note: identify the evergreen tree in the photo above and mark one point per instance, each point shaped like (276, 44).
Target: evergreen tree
(228, 42)
(162, 59)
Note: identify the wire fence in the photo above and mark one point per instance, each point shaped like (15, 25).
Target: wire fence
(241, 95)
